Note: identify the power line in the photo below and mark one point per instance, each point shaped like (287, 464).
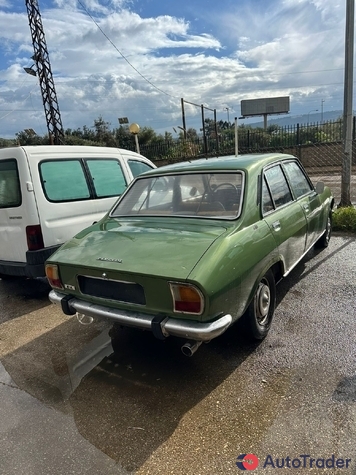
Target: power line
(16, 109)
(123, 56)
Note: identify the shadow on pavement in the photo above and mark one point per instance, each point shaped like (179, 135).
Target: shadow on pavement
(133, 400)
(19, 296)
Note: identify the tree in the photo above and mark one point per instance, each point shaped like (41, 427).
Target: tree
(28, 137)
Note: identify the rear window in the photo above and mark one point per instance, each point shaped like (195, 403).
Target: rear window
(81, 179)
(212, 195)
(10, 191)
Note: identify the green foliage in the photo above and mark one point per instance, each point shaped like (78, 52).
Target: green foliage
(344, 219)
(219, 138)
(7, 143)
(147, 135)
(26, 137)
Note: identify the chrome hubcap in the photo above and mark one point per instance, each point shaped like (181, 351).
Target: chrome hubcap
(263, 301)
(328, 230)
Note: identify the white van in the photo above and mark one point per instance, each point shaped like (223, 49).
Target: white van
(48, 193)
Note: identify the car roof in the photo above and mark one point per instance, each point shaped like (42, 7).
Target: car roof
(228, 163)
(38, 152)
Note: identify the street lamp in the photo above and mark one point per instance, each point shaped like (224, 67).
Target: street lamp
(30, 71)
(181, 128)
(134, 129)
(314, 110)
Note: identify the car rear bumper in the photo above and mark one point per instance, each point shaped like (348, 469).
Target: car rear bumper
(161, 326)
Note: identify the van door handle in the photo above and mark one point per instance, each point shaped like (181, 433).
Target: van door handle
(276, 226)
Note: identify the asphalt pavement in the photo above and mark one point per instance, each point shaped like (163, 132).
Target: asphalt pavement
(71, 406)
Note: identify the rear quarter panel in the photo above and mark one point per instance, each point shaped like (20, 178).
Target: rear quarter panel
(231, 268)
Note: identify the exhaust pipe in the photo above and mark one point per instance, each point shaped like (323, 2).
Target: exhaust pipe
(84, 319)
(190, 347)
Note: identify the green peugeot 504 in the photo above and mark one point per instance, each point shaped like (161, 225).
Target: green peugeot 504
(192, 247)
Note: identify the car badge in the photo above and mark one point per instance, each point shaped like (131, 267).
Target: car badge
(107, 259)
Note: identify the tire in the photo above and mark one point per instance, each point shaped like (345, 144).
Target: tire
(324, 240)
(258, 317)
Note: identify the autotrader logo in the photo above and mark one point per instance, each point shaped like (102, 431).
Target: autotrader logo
(251, 461)
(247, 462)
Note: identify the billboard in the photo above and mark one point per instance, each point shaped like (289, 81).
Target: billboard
(271, 105)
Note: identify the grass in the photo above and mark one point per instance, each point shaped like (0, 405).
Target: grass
(344, 219)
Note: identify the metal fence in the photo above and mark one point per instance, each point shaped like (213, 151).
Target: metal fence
(318, 146)
(249, 141)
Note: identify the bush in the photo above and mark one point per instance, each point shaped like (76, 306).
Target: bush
(344, 219)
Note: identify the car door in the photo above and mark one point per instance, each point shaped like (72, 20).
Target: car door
(284, 216)
(307, 198)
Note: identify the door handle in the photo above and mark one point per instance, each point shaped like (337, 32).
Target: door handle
(306, 207)
(276, 225)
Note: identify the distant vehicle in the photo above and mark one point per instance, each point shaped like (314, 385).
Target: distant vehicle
(191, 248)
(49, 193)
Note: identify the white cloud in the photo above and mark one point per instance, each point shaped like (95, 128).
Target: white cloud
(283, 48)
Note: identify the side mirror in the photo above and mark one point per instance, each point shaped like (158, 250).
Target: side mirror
(320, 187)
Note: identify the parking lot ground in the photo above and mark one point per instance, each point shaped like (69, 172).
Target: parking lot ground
(71, 406)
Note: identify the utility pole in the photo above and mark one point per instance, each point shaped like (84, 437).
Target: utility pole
(347, 116)
(43, 66)
(322, 111)
(228, 115)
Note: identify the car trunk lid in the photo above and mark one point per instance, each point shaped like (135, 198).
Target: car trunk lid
(155, 247)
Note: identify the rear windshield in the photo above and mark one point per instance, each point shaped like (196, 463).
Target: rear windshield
(10, 192)
(81, 179)
(212, 195)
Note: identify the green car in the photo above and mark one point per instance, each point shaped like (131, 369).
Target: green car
(190, 248)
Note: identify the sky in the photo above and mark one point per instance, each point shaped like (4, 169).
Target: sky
(139, 58)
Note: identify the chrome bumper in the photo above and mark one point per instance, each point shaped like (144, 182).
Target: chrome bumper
(161, 326)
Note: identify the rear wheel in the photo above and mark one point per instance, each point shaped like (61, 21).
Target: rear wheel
(259, 314)
(324, 240)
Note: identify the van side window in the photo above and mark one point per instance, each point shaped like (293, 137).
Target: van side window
(138, 167)
(107, 176)
(10, 191)
(64, 180)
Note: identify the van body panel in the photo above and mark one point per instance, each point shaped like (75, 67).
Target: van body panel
(61, 188)
(15, 218)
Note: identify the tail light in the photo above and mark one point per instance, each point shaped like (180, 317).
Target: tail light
(187, 298)
(52, 274)
(34, 238)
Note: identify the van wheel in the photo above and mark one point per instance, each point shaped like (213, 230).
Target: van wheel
(259, 314)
